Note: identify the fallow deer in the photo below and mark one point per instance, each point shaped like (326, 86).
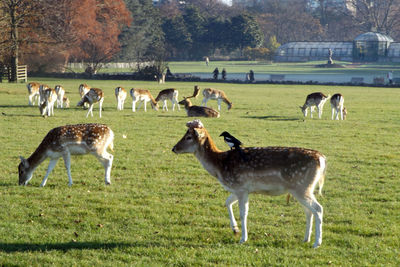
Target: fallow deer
(314, 100)
(60, 95)
(83, 90)
(198, 111)
(42, 89)
(168, 94)
(219, 95)
(66, 101)
(142, 95)
(196, 92)
(33, 91)
(337, 104)
(93, 96)
(120, 95)
(49, 96)
(65, 141)
(267, 170)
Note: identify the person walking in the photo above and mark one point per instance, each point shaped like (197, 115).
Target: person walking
(215, 73)
(390, 77)
(207, 61)
(223, 74)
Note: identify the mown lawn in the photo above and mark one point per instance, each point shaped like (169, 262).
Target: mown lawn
(165, 209)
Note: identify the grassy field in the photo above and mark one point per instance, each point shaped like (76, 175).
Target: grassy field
(165, 209)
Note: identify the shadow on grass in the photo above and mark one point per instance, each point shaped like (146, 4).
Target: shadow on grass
(273, 118)
(20, 247)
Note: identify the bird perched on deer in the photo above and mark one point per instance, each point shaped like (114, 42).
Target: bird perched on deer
(231, 141)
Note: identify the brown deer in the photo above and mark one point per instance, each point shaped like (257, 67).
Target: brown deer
(198, 111)
(168, 94)
(142, 95)
(49, 98)
(219, 95)
(314, 100)
(337, 105)
(65, 141)
(83, 90)
(267, 170)
(60, 96)
(33, 91)
(93, 96)
(120, 95)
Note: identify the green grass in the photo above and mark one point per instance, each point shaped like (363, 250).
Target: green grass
(165, 209)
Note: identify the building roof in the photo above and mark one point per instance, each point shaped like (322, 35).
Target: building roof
(373, 37)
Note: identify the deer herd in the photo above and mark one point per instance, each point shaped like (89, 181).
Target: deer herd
(267, 170)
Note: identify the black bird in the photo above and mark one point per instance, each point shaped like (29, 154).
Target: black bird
(231, 140)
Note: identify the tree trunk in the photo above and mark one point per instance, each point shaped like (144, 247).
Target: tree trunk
(14, 44)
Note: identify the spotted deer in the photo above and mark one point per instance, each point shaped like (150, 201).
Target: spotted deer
(266, 170)
(337, 105)
(60, 96)
(49, 96)
(198, 111)
(93, 96)
(219, 95)
(120, 95)
(83, 90)
(168, 94)
(143, 96)
(314, 100)
(65, 141)
(33, 91)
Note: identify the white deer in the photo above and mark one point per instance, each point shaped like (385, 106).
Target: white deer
(142, 95)
(168, 94)
(337, 104)
(93, 96)
(120, 95)
(267, 170)
(49, 96)
(314, 100)
(60, 96)
(219, 95)
(65, 141)
(198, 111)
(33, 91)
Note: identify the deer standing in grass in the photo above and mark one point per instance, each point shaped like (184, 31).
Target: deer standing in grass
(267, 170)
(49, 98)
(83, 90)
(93, 96)
(314, 100)
(65, 141)
(33, 91)
(168, 94)
(219, 95)
(142, 95)
(61, 99)
(337, 105)
(42, 89)
(120, 95)
(198, 111)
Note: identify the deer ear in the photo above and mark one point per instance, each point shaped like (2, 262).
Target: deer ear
(199, 134)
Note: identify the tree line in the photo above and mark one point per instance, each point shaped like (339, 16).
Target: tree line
(47, 34)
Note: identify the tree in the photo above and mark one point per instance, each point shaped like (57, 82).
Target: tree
(195, 24)
(245, 32)
(177, 36)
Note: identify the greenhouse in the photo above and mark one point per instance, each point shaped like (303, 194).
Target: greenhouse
(367, 47)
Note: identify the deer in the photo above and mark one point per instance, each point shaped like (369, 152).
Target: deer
(64, 141)
(219, 95)
(171, 94)
(198, 111)
(337, 105)
(66, 101)
(120, 95)
(142, 95)
(83, 90)
(266, 170)
(33, 91)
(93, 96)
(314, 100)
(60, 96)
(42, 89)
(46, 108)
(196, 92)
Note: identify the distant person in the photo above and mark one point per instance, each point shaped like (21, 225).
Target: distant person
(223, 73)
(215, 73)
(169, 74)
(390, 77)
(251, 76)
(207, 61)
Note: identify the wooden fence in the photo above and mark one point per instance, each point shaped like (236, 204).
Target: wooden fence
(22, 73)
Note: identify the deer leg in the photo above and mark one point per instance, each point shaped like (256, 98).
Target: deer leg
(67, 163)
(100, 106)
(133, 105)
(232, 199)
(90, 111)
(309, 223)
(165, 105)
(244, 210)
(51, 166)
(204, 102)
(106, 159)
(341, 113)
(219, 104)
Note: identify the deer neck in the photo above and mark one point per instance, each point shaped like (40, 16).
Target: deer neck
(37, 157)
(210, 156)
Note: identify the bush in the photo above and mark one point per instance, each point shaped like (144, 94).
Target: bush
(258, 53)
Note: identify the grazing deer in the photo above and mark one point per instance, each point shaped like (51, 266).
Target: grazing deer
(93, 96)
(142, 95)
(46, 108)
(215, 94)
(120, 95)
(60, 95)
(68, 140)
(198, 111)
(315, 99)
(33, 91)
(83, 90)
(267, 170)
(171, 94)
(337, 102)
